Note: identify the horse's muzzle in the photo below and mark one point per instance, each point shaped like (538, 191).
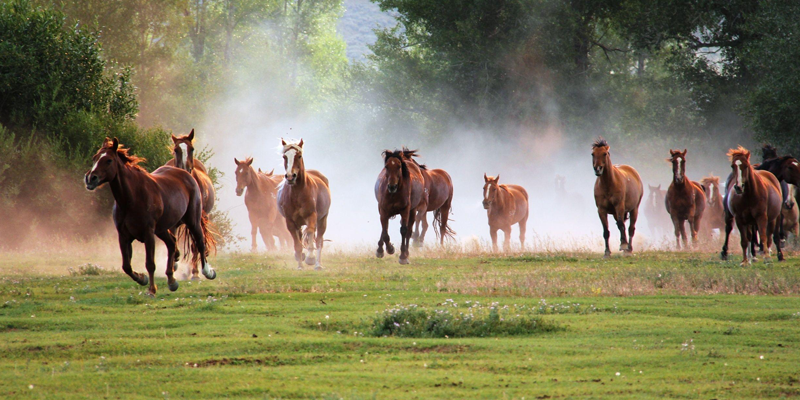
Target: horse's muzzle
(598, 171)
(679, 179)
(738, 189)
(291, 180)
(239, 191)
(392, 188)
(91, 181)
(486, 204)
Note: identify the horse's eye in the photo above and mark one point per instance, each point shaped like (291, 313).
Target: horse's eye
(108, 161)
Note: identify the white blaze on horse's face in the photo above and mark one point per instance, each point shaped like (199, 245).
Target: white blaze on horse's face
(680, 174)
(184, 155)
(96, 163)
(290, 154)
(739, 184)
(711, 189)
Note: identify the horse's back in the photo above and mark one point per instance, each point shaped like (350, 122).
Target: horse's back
(440, 189)
(178, 191)
(775, 197)
(197, 165)
(318, 175)
(323, 192)
(634, 188)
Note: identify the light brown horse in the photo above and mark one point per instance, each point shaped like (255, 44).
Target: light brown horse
(617, 191)
(754, 201)
(714, 216)
(262, 204)
(183, 158)
(147, 206)
(304, 200)
(400, 189)
(685, 200)
(791, 215)
(439, 198)
(657, 219)
(505, 205)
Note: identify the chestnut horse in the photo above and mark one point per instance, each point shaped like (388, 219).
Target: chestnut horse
(790, 216)
(714, 216)
(617, 191)
(262, 204)
(147, 206)
(304, 199)
(685, 200)
(754, 200)
(400, 189)
(183, 158)
(439, 197)
(505, 205)
(657, 219)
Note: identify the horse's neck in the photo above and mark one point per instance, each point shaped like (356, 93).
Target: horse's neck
(302, 176)
(757, 185)
(611, 176)
(503, 198)
(122, 186)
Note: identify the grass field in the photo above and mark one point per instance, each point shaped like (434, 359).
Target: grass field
(653, 325)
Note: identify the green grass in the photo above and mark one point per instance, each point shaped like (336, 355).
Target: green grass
(651, 326)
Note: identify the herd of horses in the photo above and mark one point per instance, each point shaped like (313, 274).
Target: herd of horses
(173, 203)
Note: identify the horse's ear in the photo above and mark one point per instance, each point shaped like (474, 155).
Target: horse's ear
(174, 139)
(659, 186)
(115, 144)
(485, 177)
(270, 172)
(191, 135)
(301, 143)
(684, 151)
(249, 161)
(497, 178)
(283, 142)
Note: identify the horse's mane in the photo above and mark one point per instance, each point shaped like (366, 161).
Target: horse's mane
(709, 179)
(774, 162)
(292, 145)
(129, 159)
(738, 152)
(600, 142)
(400, 155)
(768, 152)
(410, 154)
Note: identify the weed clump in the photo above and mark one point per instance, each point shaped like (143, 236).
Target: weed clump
(449, 321)
(86, 269)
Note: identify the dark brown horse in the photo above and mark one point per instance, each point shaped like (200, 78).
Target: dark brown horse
(400, 189)
(658, 220)
(685, 200)
(617, 191)
(183, 158)
(714, 216)
(754, 200)
(304, 200)
(147, 206)
(439, 197)
(262, 204)
(505, 205)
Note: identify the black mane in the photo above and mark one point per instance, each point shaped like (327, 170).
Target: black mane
(600, 142)
(410, 154)
(768, 152)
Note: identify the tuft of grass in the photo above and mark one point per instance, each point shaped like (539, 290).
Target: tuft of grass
(86, 269)
(413, 321)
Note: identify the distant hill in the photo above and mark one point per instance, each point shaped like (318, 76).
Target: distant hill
(360, 18)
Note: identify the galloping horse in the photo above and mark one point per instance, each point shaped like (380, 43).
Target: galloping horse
(439, 197)
(714, 216)
(261, 202)
(617, 191)
(754, 200)
(685, 200)
(506, 205)
(304, 200)
(657, 219)
(400, 189)
(147, 206)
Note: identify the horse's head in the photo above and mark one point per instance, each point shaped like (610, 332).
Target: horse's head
(105, 165)
(740, 164)
(490, 188)
(394, 162)
(678, 160)
(791, 170)
(244, 174)
(652, 197)
(768, 152)
(711, 183)
(601, 158)
(183, 150)
(292, 160)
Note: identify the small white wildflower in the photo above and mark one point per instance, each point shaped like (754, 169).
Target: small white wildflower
(617, 374)
(327, 317)
(30, 387)
(761, 357)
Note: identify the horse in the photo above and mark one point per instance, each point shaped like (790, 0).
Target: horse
(439, 198)
(617, 191)
(183, 158)
(261, 202)
(714, 216)
(686, 200)
(399, 189)
(657, 219)
(754, 200)
(147, 206)
(304, 199)
(505, 205)
(790, 216)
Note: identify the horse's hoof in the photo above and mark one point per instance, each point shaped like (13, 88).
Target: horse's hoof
(143, 281)
(300, 258)
(299, 267)
(195, 277)
(417, 243)
(403, 261)
(390, 249)
(607, 254)
(311, 260)
(625, 247)
(723, 256)
(211, 274)
(379, 253)
(173, 286)
(318, 268)
(151, 292)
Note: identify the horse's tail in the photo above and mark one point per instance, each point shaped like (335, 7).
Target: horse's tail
(209, 239)
(446, 230)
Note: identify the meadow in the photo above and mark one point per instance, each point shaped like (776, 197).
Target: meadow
(532, 326)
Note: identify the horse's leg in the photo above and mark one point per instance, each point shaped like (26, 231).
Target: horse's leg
(297, 241)
(507, 238)
(308, 239)
(523, 226)
(775, 234)
(406, 223)
(196, 229)
(606, 233)
(322, 226)
(684, 238)
(253, 234)
(267, 233)
(676, 224)
(619, 216)
(632, 228)
(169, 241)
(745, 232)
(728, 228)
(177, 255)
(127, 253)
(423, 216)
(765, 233)
(150, 262)
(384, 238)
(416, 228)
(493, 234)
